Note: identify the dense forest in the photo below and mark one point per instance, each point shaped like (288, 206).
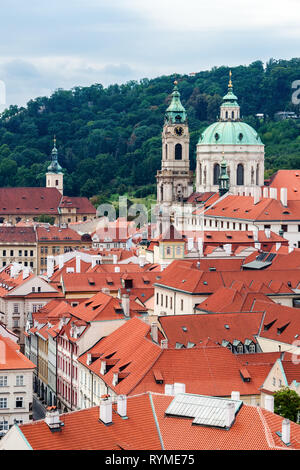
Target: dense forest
(109, 139)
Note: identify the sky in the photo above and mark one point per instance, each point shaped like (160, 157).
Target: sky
(66, 43)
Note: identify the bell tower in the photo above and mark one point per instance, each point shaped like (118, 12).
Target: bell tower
(54, 175)
(175, 180)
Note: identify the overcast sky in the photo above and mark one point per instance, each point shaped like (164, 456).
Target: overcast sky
(64, 43)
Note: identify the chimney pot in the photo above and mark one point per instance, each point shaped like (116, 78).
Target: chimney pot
(286, 431)
(122, 406)
(106, 410)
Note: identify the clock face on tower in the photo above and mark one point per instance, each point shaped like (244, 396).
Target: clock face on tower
(178, 130)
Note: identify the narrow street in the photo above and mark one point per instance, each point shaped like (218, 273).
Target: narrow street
(38, 409)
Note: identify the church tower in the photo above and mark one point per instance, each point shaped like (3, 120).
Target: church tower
(54, 175)
(175, 180)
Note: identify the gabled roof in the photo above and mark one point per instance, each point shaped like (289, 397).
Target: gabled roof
(33, 201)
(148, 427)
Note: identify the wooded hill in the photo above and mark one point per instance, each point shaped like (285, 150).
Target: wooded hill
(109, 139)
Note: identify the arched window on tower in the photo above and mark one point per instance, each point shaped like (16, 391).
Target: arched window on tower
(226, 114)
(240, 175)
(216, 173)
(178, 152)
(166, 151)
(232, 114)
(257, 175)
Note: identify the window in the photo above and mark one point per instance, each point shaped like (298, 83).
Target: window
(16, 323)
(168, 250)
(284, 228)
(3, 380)
(274, 382)
(252, 348)
(31, 252)
(18, 421)
(157, 299)
(4, 252)
(181, 304)
(216, 173)
(240, 175)
(178, 152)
(26, 253)
(171, 302)
(161, 300)
(19, 380)
(3, 403)
(16, 308)
(240, 349)
(20, 252)
(11, 252)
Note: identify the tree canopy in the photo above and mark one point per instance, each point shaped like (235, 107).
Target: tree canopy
(109, 139)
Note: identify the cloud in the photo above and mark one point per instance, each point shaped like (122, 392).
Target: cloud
(62, 44)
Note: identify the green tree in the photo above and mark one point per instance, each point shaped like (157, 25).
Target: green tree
(287, 403)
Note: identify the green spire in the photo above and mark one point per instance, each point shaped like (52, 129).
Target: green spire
(230, 99)
(54, 166)
(224, 178)
(176, 113)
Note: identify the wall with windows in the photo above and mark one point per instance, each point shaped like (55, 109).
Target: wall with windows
(171, 302)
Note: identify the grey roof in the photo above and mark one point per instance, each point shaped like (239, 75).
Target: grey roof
(206, 411)
(257, 264)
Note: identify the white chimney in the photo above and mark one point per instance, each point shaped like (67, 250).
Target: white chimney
(78, 263)
(278, 245)
(106, 410)
(179, 388)
(164, 344)
(256, 195)
(235, 395)
(283, 196)
(52, 419)
(286, 431)
(60, 261)
(96, 258)
(115, 379)
(169, 389)
(142, 260)
(265, 192)
(50, 266)
(126, 305)
(115, 259)
(122, 406)
(228, 248)
(154, 332)
(268, 233)
(229, 414)
(190, 244)
(26, 272)
(117, 269)
(200, 246)
(89, 359)
(269, 403)
(273, 193)
(103, 367)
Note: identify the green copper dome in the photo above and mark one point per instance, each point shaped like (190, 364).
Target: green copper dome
(175, 113)
(230, 133)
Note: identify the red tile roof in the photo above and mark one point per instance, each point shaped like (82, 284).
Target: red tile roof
(55, 233)
(82, 205)
(33, 201)
(289, 179)
(11, 358)
(17, 235)
(149, 428)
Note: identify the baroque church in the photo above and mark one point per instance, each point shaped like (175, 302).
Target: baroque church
(230, 154)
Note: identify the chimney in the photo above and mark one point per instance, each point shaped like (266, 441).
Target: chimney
(122, 406)
(235, 395)
(95, 258)
(142, 260)
(273, 193)
(126, 305)
(190, 244)
(52, 419)
(169, 389)
(60, 261)
(283, 196)
(179, 388)
(256, 195)
(117, 269)
(286, 431)
(265, 192)
(269, 403)
(200, 246)
(89, 359)
(106, 410)
(26, 273)
(115, 259)
(154, 332)
(78, 263)
(278, 245)
(255, 234)
(268, 233)
(229, 414)
(115, 379)
(50, 266)
(164, 344)
(103, 368)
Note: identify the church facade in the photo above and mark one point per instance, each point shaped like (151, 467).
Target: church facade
(230, 154)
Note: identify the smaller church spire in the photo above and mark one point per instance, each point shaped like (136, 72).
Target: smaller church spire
(176, 112)
(54, 166)
(224, 178)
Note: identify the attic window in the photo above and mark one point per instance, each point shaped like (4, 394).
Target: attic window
(282, 328)
(227, 327)
(158, 376)
(268, 325)
(91, 281)
(123, 367)
(241, 136)
(250, 236)
(184, 328)
(96, 306)
(87, 304)
(228, 236)
(208, 236)
(286, 212)
(205, 283)
(110, 355)
(212, 268)
(245, 375)
(217, 136)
